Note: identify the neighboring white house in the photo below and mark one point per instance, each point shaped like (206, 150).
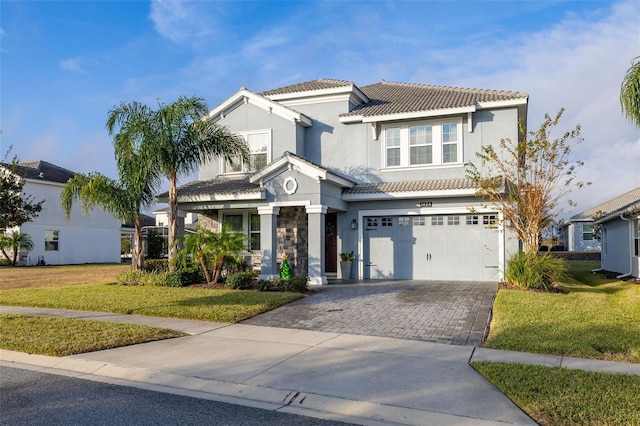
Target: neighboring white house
(378, 170)
(91, 238)
(620, 235)
(577, 233)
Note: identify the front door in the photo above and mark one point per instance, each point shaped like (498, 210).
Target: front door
(330, 243)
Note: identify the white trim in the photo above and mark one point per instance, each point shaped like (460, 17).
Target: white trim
(269, 210)
(204, 198)
(426, 211)
(290, 185)
(317, 208)
(499, 104)
(350, 90)
(247, 96)
(410, 194)
(408, 115)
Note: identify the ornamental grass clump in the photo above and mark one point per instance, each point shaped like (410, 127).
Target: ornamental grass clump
(534, 271)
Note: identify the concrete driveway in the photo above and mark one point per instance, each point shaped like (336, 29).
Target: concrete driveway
(434, 311)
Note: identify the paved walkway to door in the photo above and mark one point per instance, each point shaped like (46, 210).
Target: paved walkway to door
(433, 311)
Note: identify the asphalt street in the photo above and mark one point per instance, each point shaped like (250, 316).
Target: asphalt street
(34, 398)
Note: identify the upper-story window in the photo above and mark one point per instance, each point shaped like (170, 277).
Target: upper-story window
(423, 144)
(260, 152)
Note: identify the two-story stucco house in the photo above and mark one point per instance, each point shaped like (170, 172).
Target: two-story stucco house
(378, 170)
(91, 238)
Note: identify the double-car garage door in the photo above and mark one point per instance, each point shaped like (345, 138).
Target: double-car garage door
(432, 247)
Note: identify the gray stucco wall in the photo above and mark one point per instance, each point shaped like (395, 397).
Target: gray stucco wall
(615, 254)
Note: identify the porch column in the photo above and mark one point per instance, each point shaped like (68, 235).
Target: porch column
(268, 242)
(315, 218)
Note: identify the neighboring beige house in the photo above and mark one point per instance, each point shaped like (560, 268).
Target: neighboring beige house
(91, 238)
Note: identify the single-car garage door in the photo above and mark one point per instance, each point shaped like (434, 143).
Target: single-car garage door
(436, 247)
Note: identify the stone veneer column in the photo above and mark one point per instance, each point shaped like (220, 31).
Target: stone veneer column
(268, 242)
(316, 215)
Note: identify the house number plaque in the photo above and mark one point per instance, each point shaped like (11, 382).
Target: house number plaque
(426, 204)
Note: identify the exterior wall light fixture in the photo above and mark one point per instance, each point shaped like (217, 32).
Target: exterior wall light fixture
(354, 224)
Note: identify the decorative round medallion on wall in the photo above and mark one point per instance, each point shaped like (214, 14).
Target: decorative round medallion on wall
(290, 185)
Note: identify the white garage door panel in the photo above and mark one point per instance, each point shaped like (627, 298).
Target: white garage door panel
(437, 249)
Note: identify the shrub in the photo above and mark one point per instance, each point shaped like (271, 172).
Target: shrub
(264, 285)
(534, 271)
(173, 279)
(156, 265)
(190, 275)
(240, 280)
(296, 284)
(142, 278)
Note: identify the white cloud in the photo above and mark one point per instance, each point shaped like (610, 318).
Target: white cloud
(182, 22)
(72, 64)
(578, 65)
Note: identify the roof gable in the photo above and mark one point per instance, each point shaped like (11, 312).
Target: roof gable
(247, 96)
(618, 203)
(315, 89)
(289, 160)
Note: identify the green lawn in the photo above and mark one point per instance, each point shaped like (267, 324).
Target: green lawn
(182, 302)
(557, 396)
(61, 337)
(599, 318)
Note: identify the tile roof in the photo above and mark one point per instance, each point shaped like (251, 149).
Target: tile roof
(41, 170)
(398, 98)
(218, 185)
(619, 203)
(307, 86)
(410, 186)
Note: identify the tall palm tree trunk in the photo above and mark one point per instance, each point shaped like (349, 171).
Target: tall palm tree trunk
(173, 223)
(137, 261)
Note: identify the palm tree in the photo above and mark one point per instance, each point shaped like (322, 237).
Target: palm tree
(182, 140)
(226, 244)
(124, 198)
(213, 249)
(200, 245)
(15, 241)
(630, 92)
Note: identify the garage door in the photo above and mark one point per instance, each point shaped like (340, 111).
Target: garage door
(436, 247)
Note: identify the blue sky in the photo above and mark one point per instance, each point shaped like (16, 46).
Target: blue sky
(64, 64)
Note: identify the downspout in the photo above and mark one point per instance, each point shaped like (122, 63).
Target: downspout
(630, 248)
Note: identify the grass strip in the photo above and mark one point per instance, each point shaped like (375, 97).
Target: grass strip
(557, 396)
(62, 336)
(599, 319)
(182, 302)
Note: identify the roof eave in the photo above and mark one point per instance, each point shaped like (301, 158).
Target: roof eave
(407, 115)
(439, 193)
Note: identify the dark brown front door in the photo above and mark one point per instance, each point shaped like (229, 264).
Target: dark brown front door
(330, 243)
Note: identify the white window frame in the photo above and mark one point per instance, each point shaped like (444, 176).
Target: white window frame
(436, 144)
(244, 168)
(246, 226)
(51, 240)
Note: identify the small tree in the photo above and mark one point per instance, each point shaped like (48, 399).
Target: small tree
(155, 244)
(16, 207)
(200, 245)
(529, 178)
(213, 249)
(15, 241)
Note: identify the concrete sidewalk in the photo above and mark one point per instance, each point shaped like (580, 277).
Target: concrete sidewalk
(356, 379)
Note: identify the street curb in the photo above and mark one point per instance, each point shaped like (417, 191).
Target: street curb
(288, 401)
